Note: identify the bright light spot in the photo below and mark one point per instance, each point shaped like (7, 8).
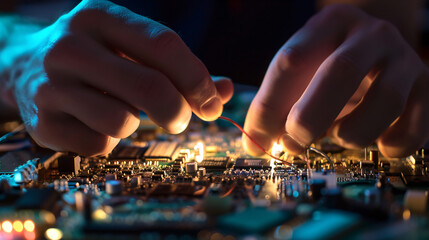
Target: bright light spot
(406, 215)
(295, 194)
(99, 214)
(7, 226)
(276, 150)
(17, 226)
(53, 234)
(199, 147)
(29, 226)
(17, 177)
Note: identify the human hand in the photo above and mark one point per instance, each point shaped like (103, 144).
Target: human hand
(84, 79)
(346, 74)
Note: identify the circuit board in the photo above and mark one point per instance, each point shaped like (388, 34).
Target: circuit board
(201, 185)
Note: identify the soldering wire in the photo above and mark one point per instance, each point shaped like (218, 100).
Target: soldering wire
(254, 141)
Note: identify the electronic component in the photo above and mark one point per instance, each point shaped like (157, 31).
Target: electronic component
(202, 185)
(252, 163)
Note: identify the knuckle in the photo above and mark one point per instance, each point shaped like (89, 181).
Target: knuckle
(289, 56)
(59, 49)
(346, 63)
(201, 89)
(384, 28)
(165, 40)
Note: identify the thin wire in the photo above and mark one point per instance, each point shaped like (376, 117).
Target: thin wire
(323, 154)
(12, 133)
(229, 192)
(254, 142)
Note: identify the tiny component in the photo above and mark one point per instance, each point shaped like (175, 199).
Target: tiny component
(252, 163)
(191, 167)
(385, 165)
(201, 172)
(367, 167)
(373, 157)
(214, 164)
(136, 181)
(69, 164)
(113, 187)
(26, 172)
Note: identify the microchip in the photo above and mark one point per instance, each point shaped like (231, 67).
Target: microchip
(69, 164)
(214, 164)
(162, 150)
(252, 163)
(128, 152)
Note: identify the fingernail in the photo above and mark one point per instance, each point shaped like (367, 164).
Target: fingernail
(212, 109)
(292, 146)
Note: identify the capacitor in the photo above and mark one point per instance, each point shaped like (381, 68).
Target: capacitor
(191, 167)
(113, 187)
(373, 157)
(201, 172)
(136, 181)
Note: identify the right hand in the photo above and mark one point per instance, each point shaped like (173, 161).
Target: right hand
(87, 76)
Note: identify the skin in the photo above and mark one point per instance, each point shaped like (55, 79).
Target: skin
(80, 82)
(348, 75)
(83, 80)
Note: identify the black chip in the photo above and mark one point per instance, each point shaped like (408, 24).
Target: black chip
(252, 163)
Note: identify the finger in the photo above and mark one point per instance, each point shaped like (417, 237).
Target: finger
(99, 111)
(411, 130)
(139, 86)
(224, 87)
(156, 46)
(64, 133)
(289, 74)
(336, 80)
(379, 108)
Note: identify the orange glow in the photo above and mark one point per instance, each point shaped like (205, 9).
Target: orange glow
(29, 235)
(7, 226)
(29, 226)
(17, 226)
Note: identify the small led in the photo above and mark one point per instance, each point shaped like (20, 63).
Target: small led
(17, 226)
(199, 147)
(53, 234)
(7, 226)
(29, 226)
